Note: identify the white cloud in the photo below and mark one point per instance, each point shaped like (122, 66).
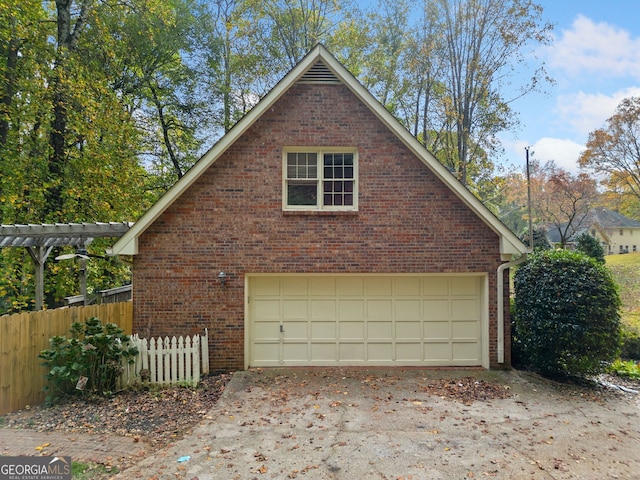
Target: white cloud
(563, 152)
(601, 48)
(585, 112)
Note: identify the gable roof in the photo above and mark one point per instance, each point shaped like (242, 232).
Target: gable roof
(611, 219)
(319, 66)
(554, 235)
(600, 218)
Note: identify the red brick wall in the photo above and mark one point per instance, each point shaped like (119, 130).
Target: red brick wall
(231, 219)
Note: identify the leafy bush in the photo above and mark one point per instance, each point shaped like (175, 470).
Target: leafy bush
(630, 349)
(626, 369)
(567, 319)
(94, 351)
(540, 239)
(590, 246)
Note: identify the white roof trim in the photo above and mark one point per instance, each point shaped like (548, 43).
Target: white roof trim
(128, 243)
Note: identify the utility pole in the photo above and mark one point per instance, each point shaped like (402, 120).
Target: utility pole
(526, 149)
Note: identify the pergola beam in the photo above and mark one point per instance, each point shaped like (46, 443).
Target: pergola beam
(39, 256)
(40, 239)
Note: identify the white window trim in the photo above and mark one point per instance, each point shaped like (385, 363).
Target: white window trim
(320, 151)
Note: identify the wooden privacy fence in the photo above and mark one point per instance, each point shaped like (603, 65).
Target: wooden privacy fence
(24, 335)
(168, 361)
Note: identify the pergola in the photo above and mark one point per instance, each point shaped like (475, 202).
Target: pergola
(39, 240)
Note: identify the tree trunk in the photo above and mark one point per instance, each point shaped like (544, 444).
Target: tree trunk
(67, 41)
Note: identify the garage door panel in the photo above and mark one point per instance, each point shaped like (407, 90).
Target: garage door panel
(351, 309)
(324, 330)
(379, 286)
(409, 352)
(267, 330)
(295, 353)
(296, 330)
(324, 352)
(350, 286)
(352, 330)
(380, 330)
(268, 308)
(437, 330)
(351, 352)
(292, 286)
(464, 286)
(265, 286)
(465, 351)
(379, 309)
(408, 330)
(435, 287)
(295, 309)
(407, 309)
(437, 352)
(264, 352)
(322, 286)
(405, 286)
(464, 330)
(462, 309)
(380, 352)
(352, 320)
(321, 309)
(436, 309)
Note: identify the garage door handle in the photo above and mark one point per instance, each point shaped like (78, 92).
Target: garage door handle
(281, 328)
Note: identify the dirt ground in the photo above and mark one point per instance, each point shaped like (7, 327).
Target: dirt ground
(405, 424)
(337, 423)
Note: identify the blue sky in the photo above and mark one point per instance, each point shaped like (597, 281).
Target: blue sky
(595, 61)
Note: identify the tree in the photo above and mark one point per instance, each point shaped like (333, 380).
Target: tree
(560, 199)
(484, 43)
(590, 246)
(73, 161)
(389, 35)
(160, 84)
(567, 315)
(234, 72)
(24, 50)
(614, 150)
(421, 102)
(293, 27)
(69, 30)
(540, 239)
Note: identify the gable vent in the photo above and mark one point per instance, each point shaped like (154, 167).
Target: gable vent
(319, 73)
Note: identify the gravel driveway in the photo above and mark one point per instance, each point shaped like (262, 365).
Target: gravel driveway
(332, 423)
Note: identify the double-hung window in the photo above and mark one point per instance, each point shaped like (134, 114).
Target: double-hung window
(320, 179)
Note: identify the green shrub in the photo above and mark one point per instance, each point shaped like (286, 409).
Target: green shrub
(590, 246)
(630, 349)
(540, 239)
(626, 369)
(94, 351)
(567, 319)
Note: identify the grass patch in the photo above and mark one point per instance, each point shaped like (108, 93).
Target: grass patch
(91, 471)
(626, 369)
(626, 259)
(626, 272)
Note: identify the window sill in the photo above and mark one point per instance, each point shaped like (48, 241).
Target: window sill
(320, 213)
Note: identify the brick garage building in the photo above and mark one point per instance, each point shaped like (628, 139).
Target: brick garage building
(342, 241)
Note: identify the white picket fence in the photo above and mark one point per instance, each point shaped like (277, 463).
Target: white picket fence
(168, 361)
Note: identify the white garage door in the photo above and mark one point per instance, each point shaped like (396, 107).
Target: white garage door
(365, 320)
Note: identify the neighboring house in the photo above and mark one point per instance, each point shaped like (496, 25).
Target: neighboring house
(616, 233)
(318, 231)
